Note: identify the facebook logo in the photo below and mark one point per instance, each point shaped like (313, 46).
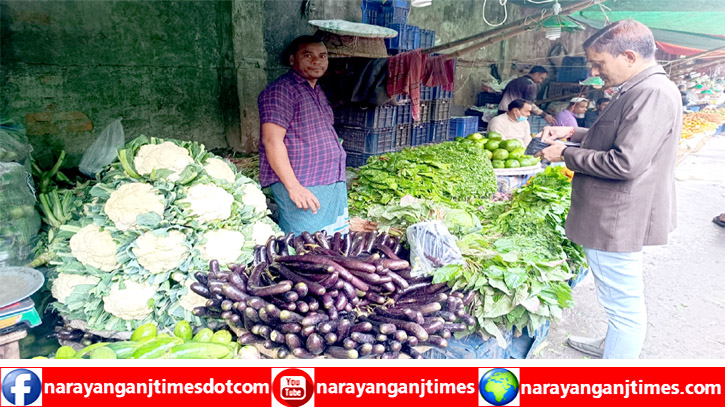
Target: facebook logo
(22, 387)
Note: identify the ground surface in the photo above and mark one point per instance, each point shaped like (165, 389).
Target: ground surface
(684, 281)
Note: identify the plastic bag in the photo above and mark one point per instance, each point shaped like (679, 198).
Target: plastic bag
(104, 150)
(19, 221)
(431, 247)
(14, 146)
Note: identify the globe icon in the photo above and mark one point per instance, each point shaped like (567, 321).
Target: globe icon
(498, 387)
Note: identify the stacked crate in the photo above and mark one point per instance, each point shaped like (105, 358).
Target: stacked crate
(394, 15)
(462, 126)
(366, 132)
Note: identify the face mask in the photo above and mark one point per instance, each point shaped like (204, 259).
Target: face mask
(521, 119)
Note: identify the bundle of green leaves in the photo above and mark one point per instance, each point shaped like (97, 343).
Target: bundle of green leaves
(159, 214)
(445, 173)
(521, 262)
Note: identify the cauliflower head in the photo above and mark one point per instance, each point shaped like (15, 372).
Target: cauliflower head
(96, 248)
(191, 300)
(159, 254)
(131, 302)
(223, 245)
(131, 200)
(65, 283)
(219, 169)
(209, 202)
(254, 196)
(261, 232)
(167, 156)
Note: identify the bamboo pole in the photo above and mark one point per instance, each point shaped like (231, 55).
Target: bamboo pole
(685, 69)
(696, 56)
(509, 30)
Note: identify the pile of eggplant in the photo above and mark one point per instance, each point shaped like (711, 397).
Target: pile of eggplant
(346, 296)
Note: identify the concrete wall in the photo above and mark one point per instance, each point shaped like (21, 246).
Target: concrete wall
(70, 67)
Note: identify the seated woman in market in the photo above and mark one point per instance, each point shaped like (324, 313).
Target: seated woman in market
(514, 124)
(567, 117)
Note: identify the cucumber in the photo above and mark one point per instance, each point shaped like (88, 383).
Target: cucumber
(199, 350)
(144, 333)
(204, 335)
(156, 348)
(103, 353)
(88, 349)
(124, 349)
(183, 330)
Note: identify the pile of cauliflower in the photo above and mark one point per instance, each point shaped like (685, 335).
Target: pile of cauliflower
(159, 214)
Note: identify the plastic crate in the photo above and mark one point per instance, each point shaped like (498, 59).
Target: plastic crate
(427, 38)
(368, 141)
(424, 112)
(439, 93)
(408, 37)
(381, 117)
(485, 98)
(371, 11)
(419, 134)
(440, 110)
(358, 159)
(402, 136)
(394, 12)
(403, 115)
(537, 124)
(462, 126)
(426, 93)
(439, 131)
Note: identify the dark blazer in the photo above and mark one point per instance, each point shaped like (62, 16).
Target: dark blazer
(623, 191)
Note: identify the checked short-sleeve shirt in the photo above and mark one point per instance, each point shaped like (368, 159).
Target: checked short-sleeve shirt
(315, 153)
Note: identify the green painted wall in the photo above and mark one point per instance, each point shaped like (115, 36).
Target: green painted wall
(70, 67)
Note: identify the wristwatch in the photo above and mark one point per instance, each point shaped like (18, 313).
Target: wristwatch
(562, 153)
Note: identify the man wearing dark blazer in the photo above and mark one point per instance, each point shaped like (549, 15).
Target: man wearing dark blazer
(623, 191)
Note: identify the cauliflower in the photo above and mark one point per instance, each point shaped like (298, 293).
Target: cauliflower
(209, 202)
(65, 283)
(167, 156)
(159, 254)
(191, 300)
(131, 302)
(254, 196)
(222, 245)
(261, 232)
(95, 248)
(131, 200)
(217, 168)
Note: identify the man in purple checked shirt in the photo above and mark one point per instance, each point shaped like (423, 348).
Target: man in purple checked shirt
(567, 117)
(300, 156)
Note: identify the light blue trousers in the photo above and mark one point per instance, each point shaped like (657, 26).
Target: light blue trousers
(620, 287)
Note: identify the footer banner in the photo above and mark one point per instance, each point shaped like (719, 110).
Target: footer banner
(369, 386)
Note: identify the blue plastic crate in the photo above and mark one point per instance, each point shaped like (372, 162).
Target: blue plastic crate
(424, 112)
(537, 124)
(403, 115)
(408, 37)
(426, 93)
(439, 131)
(358, 159)
(471, 347)
(462, 126)
(371, 11)
(439, 93)
(419, 134)
(365, 140)
(381, 117)
(394, 12)
(427, 38)
(403, 135)
(440, 109)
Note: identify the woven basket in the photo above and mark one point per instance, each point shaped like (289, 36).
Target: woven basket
(341, 46)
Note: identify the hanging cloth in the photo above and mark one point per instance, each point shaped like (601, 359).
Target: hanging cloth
(439, 71)
(405, 73)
